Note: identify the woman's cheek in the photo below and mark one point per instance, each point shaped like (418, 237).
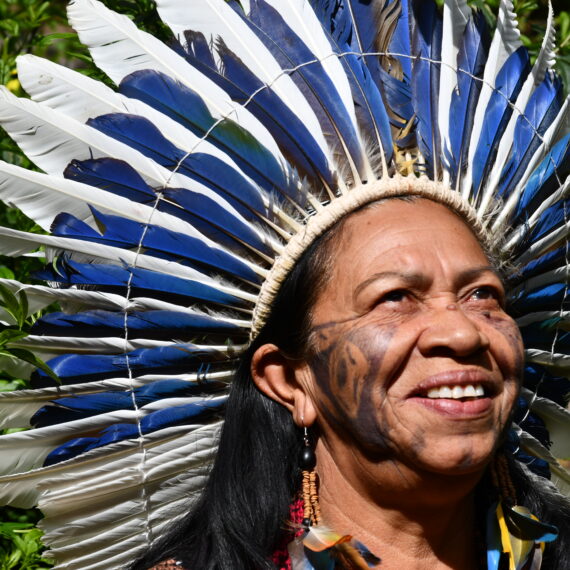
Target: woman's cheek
(347, 369)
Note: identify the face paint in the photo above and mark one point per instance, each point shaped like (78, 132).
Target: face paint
(346, 367)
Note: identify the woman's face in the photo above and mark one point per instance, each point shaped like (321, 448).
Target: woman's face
(413, 357)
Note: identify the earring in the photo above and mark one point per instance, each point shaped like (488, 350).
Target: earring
(311, 508)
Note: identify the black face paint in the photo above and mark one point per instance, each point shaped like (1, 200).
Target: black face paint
(347, 363)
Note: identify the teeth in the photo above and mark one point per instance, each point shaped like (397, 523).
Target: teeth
(445, 392)
(457, 392)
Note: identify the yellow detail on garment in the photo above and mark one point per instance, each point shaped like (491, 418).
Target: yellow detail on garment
(519, 549)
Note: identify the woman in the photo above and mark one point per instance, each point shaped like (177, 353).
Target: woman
(324, 195)
(405, 366)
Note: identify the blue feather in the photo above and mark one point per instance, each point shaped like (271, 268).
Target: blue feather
(508, 83)
(174, 359)
(370, 109)
(542, 336)
(551, 219)
(207, 216)
(178, 415)
(400, 42)
(154, 324)
(547, 177)
(207, 169)
(530, 422)
(547, 297)
(187, 108)
(155, 241)
(291, 52)
(395, 73)
(426, 45)
(398, 96)
(371, 113)
(112, 175)
(143, 282)
(544, 263)
(471, 63)
(542, 108)
(88, 405)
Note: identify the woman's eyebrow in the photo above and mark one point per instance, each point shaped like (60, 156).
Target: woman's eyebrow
(410, 279)
(475, 272)
(420, 281)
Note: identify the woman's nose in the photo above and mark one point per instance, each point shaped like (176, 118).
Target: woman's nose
(450, 329)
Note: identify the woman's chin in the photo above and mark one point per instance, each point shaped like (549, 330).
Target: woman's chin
(464, 457)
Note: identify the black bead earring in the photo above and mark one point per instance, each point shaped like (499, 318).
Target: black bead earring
(311, 509)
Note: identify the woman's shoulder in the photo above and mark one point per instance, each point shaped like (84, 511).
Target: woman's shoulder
(170, 564)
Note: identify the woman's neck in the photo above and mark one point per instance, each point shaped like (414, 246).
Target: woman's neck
(408, 519)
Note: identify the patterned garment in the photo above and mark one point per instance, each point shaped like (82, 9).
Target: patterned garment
(168, 565)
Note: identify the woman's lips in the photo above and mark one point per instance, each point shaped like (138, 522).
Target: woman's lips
(456, 378)
(458, 393)
(458, 408)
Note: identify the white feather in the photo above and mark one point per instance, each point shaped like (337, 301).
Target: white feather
(301, 18)
(124, 515)
(557, 421)
(48, 347)
(82, 98)
(43, 197)
(544, 244)
(52, 140)
(560, 475)
(119, 49)
(16, 408)
(505, 42)
(15, 242)
(543, 63)
(23, 451)
(455, 17)
(546, 358)
(518, 233)
(541, 316)
(216, 19)
(40, 296)
(550, 136)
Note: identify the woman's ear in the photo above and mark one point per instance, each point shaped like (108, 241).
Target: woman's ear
(284, 381)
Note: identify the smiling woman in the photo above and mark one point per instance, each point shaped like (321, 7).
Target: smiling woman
(286, 339)
(402, 362)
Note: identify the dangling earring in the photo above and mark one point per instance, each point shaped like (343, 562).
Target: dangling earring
(311, 509)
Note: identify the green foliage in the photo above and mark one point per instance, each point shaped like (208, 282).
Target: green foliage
(20, 544)
(16, 311)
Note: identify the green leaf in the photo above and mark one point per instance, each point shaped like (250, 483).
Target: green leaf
(11, 335)
(31, 358)
(10, 302)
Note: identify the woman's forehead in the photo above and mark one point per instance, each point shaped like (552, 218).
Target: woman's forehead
(416, 237)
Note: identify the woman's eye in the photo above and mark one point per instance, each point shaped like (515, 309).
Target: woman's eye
(394, 296)
(486, 294)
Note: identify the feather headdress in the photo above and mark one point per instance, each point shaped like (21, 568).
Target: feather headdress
(175, 204)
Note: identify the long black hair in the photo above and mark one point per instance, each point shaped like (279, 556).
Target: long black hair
(240, 517)
(243, 512)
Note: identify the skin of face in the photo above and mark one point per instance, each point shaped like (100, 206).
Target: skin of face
(412, 303)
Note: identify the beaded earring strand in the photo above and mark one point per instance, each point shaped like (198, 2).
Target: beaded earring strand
(311, 508)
